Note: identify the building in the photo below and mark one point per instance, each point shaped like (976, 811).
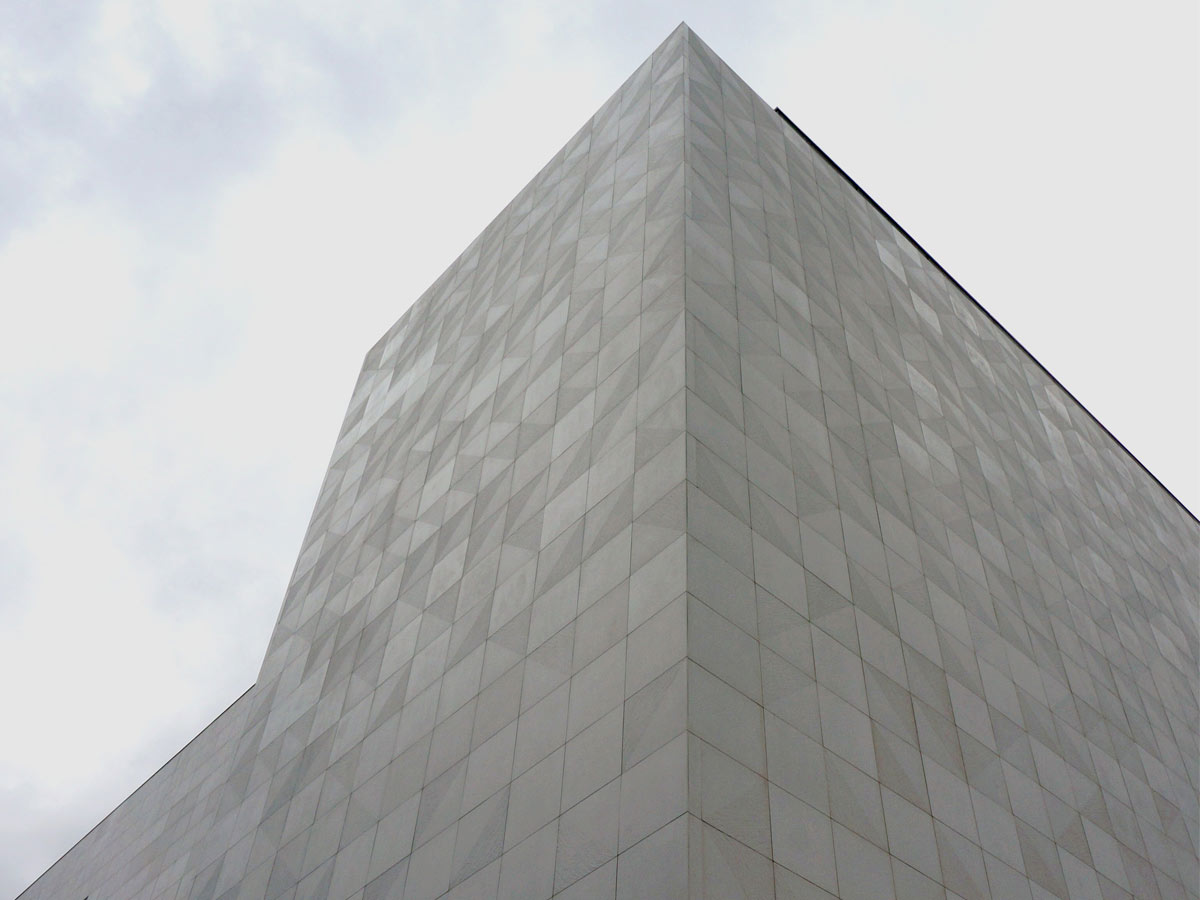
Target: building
(696, 535)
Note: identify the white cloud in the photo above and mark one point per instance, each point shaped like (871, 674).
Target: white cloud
(70, 293)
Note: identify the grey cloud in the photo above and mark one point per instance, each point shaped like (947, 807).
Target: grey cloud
(161, 160)
(14, 572)
(162, 166)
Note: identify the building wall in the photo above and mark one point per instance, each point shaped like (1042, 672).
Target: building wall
(467, 687)
(695, 535)
(942, 629)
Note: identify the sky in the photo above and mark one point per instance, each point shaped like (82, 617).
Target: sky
(210, 210)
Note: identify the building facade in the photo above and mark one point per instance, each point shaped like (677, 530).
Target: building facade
(695, 535)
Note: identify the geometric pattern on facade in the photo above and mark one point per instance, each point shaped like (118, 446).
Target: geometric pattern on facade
(694, 535)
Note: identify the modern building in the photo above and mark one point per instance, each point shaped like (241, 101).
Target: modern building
(696, 535)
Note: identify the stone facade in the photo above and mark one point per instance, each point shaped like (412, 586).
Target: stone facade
(694, 535)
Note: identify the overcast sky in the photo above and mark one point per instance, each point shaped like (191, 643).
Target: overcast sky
(210, 210)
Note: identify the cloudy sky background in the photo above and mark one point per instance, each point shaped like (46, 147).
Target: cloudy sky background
(210, 210)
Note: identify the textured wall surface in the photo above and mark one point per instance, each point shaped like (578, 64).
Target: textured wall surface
(694, 534)
(954, 623)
